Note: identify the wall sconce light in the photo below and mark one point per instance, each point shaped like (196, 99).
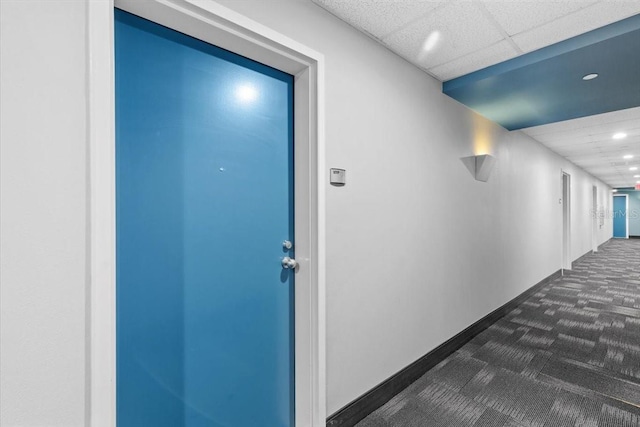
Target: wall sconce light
(484, 166)
(480, 166)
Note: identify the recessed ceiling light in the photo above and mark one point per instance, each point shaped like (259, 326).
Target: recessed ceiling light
(636, 176)
(628, 156)
(619, 135)
(590, 76)
(633, 168)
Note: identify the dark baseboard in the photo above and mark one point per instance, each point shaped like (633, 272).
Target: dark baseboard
(579, 260)
(605, 243)
(357, 410)
(634, 237)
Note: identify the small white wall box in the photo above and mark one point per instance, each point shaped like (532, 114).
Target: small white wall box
(337, 177)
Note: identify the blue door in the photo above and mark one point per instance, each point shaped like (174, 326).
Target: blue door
(620, 216)
(204, 202)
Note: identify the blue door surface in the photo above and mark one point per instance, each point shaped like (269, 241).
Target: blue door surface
(619, 216)
(204, 202)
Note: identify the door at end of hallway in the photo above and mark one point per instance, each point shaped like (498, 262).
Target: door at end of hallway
(620, 216)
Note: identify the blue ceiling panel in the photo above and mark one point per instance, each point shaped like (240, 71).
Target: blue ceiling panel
(546, 85)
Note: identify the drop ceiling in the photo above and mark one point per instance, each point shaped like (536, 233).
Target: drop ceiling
(588, 142)
(548, 85)
(475, 34)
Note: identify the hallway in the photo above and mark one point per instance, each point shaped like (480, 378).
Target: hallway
(422, 155)
(568, 356)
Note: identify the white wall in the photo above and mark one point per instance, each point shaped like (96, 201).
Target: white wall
(42, 201)
(417, 250)
(416, 258)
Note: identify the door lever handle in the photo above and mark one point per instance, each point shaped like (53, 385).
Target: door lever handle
(289, 263)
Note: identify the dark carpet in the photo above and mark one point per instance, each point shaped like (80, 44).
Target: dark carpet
(568, 356)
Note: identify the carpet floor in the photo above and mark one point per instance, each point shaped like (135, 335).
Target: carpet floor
(567, 356)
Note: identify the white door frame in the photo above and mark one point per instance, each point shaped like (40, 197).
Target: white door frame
(566, 222)
(626, 215)
(213, 23)
(594, 219)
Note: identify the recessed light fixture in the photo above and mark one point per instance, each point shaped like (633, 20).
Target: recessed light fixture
(619, 135)
(633, 168)
(628, 156)
(590, 76)
(636, 176)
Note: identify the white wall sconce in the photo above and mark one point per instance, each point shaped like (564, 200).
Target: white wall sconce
(480, 166)
(484, 166)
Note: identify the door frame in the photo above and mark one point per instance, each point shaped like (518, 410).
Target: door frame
(566, 221)
(626, 215)
(213, 23)
(594, 219)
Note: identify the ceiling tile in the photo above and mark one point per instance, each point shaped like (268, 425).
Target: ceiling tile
(587, 142)
(473, 36)
(463, 29)
(582, 21)
(477, 60)
(378, 17)
(568, 140)
(629, 118)
(518, 16)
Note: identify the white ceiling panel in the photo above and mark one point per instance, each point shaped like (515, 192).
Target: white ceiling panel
(563, 139)
(568, 140)
(471, 29)
(585, 19)
(605, 174)
(379, 17)
(572, 149)
(474, 61)
(615, 153)
(463, 30)
(596, 159)
(522, 15)
(588, 143)
(601, 124)
(475, 34)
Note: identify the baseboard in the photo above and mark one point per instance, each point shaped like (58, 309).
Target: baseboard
(634, 237)
(579, 260)
(605, 243)
(357, 410)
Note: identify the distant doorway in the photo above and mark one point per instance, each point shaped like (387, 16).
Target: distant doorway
(566, 221)
(620, 217)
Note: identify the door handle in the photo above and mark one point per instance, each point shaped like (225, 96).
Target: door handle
(289, 263)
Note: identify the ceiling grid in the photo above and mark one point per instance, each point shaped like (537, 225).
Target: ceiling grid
(475, 34)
